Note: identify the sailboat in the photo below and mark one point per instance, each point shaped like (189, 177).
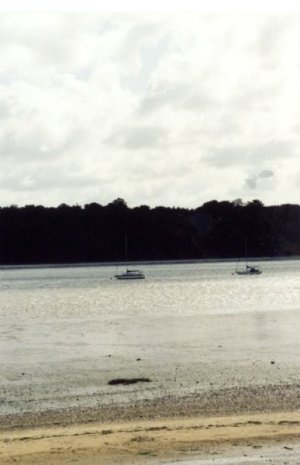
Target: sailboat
(249, 270)
(129, 273)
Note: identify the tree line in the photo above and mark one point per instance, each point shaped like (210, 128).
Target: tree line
(95, 233)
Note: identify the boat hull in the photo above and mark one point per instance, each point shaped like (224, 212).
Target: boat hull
(130, 274)
(128, 277)
(248, 273)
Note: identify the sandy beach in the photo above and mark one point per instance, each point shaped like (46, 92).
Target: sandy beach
(164, 439)
(231, 424)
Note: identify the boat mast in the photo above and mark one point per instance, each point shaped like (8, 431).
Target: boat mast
(126, 251)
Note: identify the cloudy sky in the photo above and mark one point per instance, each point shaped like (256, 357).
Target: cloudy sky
(160, 108)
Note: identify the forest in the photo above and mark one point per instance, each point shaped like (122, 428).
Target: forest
(95, 233)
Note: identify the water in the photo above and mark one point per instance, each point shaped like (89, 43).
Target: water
(273, 454)
(65, 332)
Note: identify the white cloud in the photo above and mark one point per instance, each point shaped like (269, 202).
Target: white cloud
(173, 109)
(154, 5)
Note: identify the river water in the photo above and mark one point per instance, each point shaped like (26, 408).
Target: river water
(66, 332)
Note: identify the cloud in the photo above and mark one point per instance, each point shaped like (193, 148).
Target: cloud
(145, 137)
(252, 182)
(266, 174)
(248, 155)
(165, 108)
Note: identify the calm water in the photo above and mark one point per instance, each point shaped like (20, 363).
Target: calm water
(271, 454)
(65, 332)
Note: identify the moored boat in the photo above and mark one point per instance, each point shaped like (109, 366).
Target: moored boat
(129, 274)
(250, 270)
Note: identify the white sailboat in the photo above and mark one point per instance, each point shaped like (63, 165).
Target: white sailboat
(249, 270)
(129, 273)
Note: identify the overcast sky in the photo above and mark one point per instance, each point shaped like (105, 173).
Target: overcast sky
(166, 108)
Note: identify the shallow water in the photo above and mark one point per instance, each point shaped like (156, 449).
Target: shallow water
(284, 453)
(65, 332)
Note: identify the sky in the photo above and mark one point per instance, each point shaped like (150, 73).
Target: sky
(172, 106)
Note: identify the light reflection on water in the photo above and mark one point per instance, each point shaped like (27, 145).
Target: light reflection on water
(198, 319)
(168, 290)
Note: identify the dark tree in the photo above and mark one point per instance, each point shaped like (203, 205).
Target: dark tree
(96, 233)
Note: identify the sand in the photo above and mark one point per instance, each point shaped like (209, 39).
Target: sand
(138, 442)
(230, 424)
(236, 423)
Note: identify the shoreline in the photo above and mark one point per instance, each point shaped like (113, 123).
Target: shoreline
(187, 261)
(224, 423)
(234, 400)
(220, 356)
(147, 441)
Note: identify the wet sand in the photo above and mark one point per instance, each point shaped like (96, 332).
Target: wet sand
(156, 441)
(229, 424)
(212, 402)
